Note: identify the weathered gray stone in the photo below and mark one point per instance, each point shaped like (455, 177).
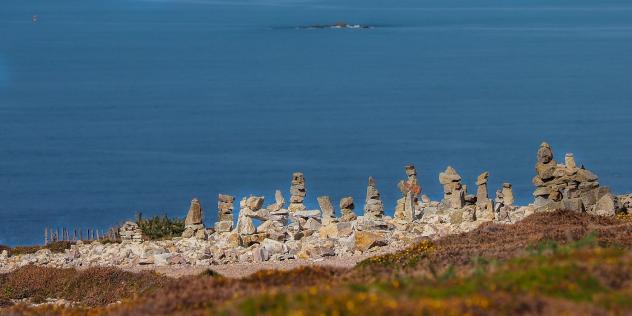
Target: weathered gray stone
(336, 230)
(508, 198)
(605, 206)
(545, 153)
(482, 195)
(453, 191)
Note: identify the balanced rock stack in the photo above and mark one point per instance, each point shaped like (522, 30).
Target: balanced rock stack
(224, 213)
(276, 211)
(484, 205)
(346, 209)
(328, 213)
(193, 225)
(453, 190)
(297, 192)
(279, 202)
(248, 208)
(374, 207)
(566, 186)
(275, 219)
(131, 232)
(410, 189)
(508, 197)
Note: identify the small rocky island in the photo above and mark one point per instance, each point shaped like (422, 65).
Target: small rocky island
(284, 231)
(337, 25)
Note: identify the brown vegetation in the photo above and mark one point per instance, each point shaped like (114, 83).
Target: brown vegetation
(55, 247)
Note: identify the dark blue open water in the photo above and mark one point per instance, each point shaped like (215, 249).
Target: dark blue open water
(108, 107)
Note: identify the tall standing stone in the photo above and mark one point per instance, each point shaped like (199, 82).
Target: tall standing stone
(484, 205)
(373, 208)
(297, 192)
(410, 189)
(481, 189)
(507, 191)
(346, 209)
(327, 210)
(194, 216)
(225, 217)
(453, 191)
(193, 225)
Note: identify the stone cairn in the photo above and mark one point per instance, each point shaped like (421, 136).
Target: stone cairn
(407, 205)
(193, 224)
(328, 213)
(484, 205)
(297, 192)
(275, 218)
(373, 208)
(346, 209)
(453, 190)
(224, 213)
(131, 232)
(504, 203)
(312, 234)
(566, 186)
(248, 208)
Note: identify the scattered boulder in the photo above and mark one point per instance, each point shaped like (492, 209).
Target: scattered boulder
(364, 240)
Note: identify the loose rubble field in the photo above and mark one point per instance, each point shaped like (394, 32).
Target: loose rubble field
(550, 263)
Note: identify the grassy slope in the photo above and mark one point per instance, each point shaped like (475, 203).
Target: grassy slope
(548, 264)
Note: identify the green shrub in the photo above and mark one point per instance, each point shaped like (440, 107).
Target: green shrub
(160, 227)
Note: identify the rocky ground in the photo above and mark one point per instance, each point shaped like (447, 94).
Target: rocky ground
(548, 264)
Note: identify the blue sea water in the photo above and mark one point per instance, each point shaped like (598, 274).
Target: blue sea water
(112, 107)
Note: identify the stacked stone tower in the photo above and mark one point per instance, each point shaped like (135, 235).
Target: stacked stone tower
(297, 192)
(374, 208)
(566, 186)
(224, 213)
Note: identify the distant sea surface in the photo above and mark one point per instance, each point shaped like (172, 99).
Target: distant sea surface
(112, 107)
